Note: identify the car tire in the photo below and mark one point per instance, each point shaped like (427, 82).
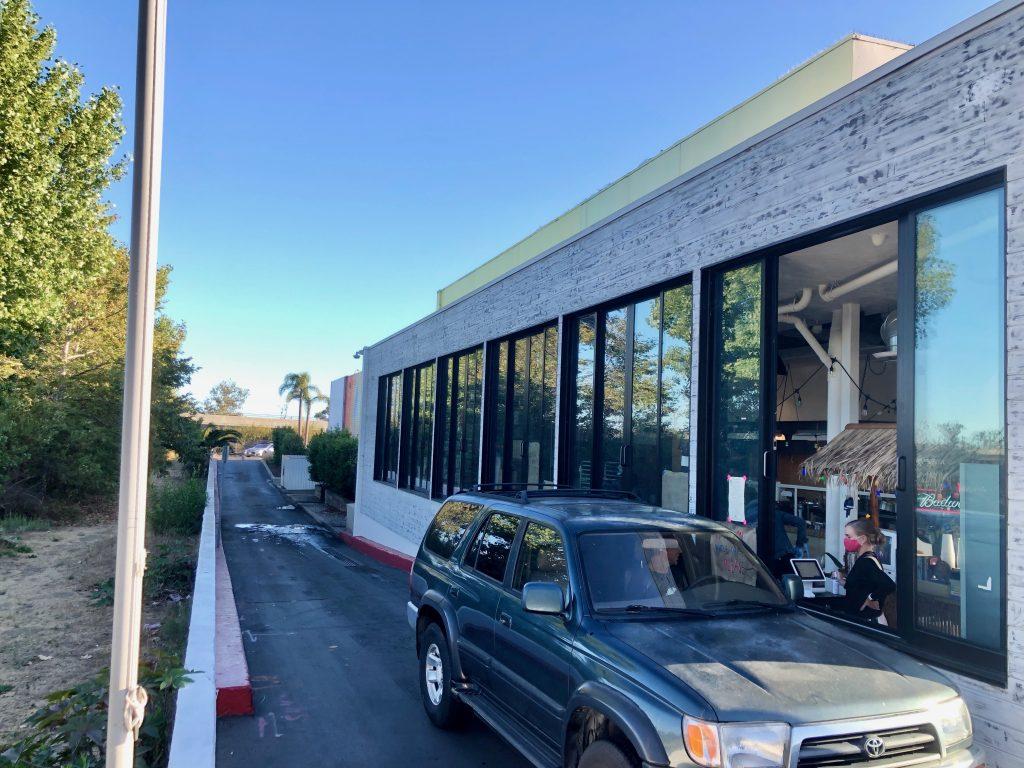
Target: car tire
(606, 754)
(444, 710)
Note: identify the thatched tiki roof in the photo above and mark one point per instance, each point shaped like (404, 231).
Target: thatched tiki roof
(857, 455)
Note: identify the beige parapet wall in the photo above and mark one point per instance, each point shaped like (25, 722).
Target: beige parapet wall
(233, 420)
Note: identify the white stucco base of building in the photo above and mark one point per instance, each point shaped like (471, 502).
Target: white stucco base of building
(368, 528)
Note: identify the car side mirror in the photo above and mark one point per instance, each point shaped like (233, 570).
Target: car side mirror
(793, 586)
(543, 597)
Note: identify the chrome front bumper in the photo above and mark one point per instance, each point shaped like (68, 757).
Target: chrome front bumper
(971, 757)
(411, 614)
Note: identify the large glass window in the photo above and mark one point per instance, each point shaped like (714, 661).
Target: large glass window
(581, 461)
(735, 432)
(524, 371)
(460, 388)
(632, 380)
(389, 424)
(959, 420)
(419, 425)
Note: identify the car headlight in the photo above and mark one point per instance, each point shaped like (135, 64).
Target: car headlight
(735, 745)
(954, 722)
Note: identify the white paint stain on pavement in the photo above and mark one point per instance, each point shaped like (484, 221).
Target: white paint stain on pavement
(303, 535)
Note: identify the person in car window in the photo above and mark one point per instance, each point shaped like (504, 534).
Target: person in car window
(662, 554)
(870, 592)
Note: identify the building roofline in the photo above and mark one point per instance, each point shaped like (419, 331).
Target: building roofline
(911, 56)
(691, 140)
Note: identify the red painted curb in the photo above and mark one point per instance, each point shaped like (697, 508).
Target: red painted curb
(386, 555)
(233, 701)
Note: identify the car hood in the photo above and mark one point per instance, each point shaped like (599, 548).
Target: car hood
(785, 667)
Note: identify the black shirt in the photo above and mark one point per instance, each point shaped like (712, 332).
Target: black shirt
(867, 579)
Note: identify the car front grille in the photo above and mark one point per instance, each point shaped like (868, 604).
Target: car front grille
(890, 748)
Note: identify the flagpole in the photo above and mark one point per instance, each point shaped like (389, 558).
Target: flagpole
(127, 700)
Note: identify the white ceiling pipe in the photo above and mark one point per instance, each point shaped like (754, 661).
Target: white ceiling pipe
(812, 342)
(867, 278)
(799, 305)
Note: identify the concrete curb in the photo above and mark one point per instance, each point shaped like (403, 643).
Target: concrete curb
(380, 553)
(194, 739)
(234, 690)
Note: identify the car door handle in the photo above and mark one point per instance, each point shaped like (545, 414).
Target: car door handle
(505, 620)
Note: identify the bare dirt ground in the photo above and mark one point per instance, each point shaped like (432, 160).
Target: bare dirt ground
(52, 635)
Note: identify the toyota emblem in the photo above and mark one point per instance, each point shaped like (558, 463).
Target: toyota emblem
(874, 746)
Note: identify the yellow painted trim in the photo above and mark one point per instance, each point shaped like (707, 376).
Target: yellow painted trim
(836, 66)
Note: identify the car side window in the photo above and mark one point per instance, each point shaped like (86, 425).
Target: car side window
(541, 557)
(450, 526)
(490, 550)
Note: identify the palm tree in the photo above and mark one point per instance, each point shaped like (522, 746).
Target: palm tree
(295, 387)
(316, 396)
(299, 386)
(216, 437)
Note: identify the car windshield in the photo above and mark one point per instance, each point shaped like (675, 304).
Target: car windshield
(688, 572)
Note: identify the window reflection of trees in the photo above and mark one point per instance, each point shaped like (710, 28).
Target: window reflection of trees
(736, 427)
(494, 544)
(659, 340)
(524, 408)
(542, 557)
(450, 526)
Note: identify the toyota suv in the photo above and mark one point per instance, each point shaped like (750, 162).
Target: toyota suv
(590, 630)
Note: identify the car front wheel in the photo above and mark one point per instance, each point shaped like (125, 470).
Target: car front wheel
(605, 754)
(443, 709)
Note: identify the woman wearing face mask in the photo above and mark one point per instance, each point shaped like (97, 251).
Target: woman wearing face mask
(867, 585)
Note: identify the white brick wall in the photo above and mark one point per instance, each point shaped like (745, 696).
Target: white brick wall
(950, 111)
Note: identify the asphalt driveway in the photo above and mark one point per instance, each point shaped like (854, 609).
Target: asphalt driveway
(330, 655)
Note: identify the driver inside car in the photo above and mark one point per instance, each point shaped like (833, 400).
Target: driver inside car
(662, 554)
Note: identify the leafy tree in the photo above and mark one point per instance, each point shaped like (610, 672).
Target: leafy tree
(56, 151)
(63, 283)
(332, 461)
(226, 397)
(286, 443)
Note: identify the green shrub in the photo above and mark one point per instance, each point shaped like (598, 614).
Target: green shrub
(286, 443)
(70, 729)
(170, 571)
(178, 507)
(332, 461)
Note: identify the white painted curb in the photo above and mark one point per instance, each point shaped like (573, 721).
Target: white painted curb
(194, 740)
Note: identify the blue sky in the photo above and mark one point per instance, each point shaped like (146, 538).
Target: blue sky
(329, 165)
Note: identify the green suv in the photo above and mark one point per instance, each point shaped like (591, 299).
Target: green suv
(590, 630)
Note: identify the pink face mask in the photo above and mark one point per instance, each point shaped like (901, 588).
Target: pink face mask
(851, 545)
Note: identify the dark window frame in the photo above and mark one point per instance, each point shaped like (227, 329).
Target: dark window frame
(412, 382)
(382, 442)
(566, 447)
(507, 397)
(946, 652)
(442, 473)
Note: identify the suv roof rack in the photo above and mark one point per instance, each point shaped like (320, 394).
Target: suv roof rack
(523, 492)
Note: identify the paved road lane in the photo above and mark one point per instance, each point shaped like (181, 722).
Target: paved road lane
(331, 657)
